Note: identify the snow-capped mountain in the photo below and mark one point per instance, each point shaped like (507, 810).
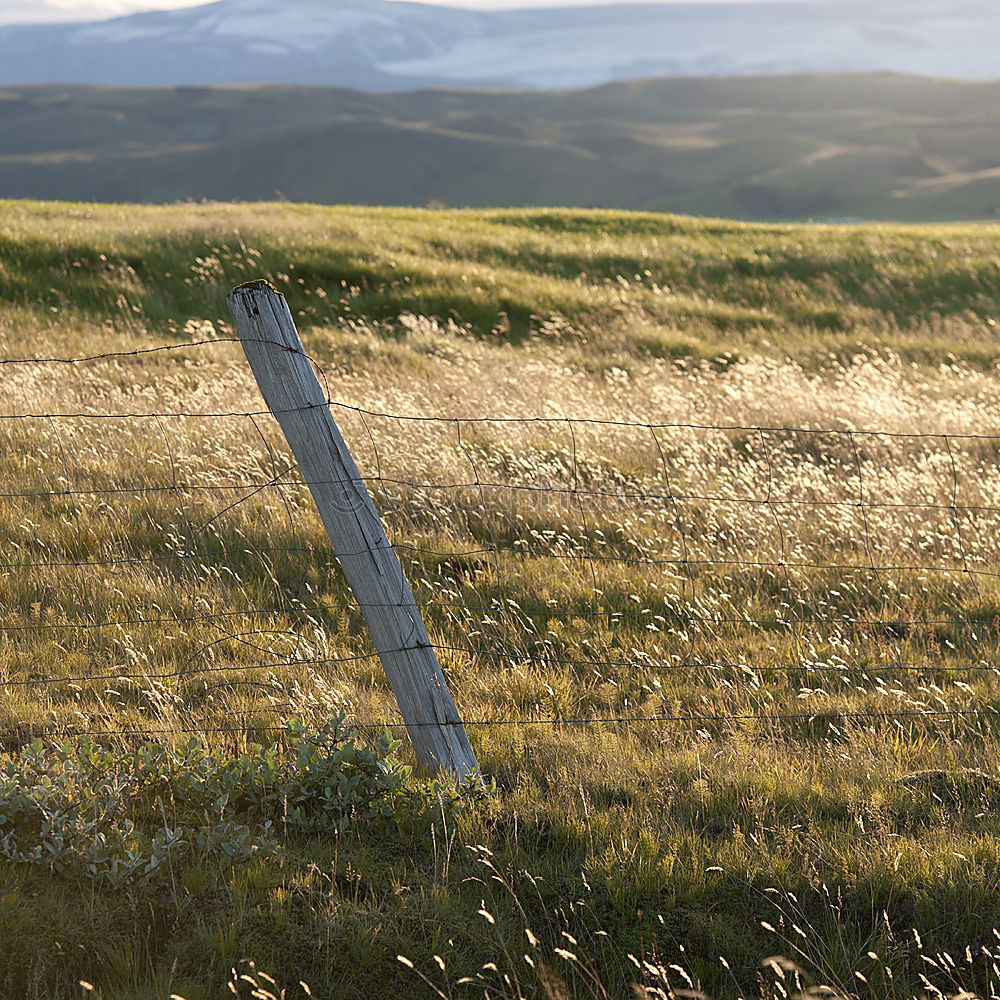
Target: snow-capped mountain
(17, 12)
(385, 45)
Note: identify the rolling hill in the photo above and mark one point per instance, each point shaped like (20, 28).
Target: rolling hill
(828, 147)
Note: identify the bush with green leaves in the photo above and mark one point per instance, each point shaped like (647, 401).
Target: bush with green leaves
(88, 809)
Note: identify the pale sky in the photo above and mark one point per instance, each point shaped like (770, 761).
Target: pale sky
(27, 11)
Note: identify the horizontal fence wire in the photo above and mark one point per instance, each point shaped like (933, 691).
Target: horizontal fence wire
(851, 623)
(381, 724)
(418, 550)
(514, 487)
(504, 631)
(479, 420)
(505, 655)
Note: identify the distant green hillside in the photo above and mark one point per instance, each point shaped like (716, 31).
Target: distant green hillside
(875, 146)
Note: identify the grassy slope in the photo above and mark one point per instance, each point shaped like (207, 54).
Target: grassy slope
(871, 146)
(661, 838)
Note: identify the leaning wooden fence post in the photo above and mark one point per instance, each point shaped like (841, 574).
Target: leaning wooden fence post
(293, 394)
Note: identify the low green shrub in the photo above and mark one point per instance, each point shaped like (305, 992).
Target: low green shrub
(91, 810)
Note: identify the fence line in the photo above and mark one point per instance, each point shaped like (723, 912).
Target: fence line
(862, 500)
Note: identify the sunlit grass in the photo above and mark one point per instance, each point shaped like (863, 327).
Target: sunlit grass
(669, 587)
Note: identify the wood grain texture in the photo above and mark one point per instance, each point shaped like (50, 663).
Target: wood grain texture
(292, 392)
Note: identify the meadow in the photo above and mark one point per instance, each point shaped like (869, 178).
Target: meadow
(727, 657)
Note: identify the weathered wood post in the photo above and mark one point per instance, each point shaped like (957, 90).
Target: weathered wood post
(293, 394)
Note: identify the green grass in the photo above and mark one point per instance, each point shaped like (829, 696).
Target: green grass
(701, 846)
(637, 285)
(876, 146)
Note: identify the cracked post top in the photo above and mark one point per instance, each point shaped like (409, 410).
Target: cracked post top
(255, 285)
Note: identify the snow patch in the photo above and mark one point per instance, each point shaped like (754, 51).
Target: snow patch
(268, 49)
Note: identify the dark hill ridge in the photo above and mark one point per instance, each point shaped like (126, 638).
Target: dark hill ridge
(874, 146)
(386, 46)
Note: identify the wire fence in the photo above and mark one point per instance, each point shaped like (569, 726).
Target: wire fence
(573, 571)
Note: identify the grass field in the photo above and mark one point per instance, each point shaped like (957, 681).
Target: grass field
(676, 855)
